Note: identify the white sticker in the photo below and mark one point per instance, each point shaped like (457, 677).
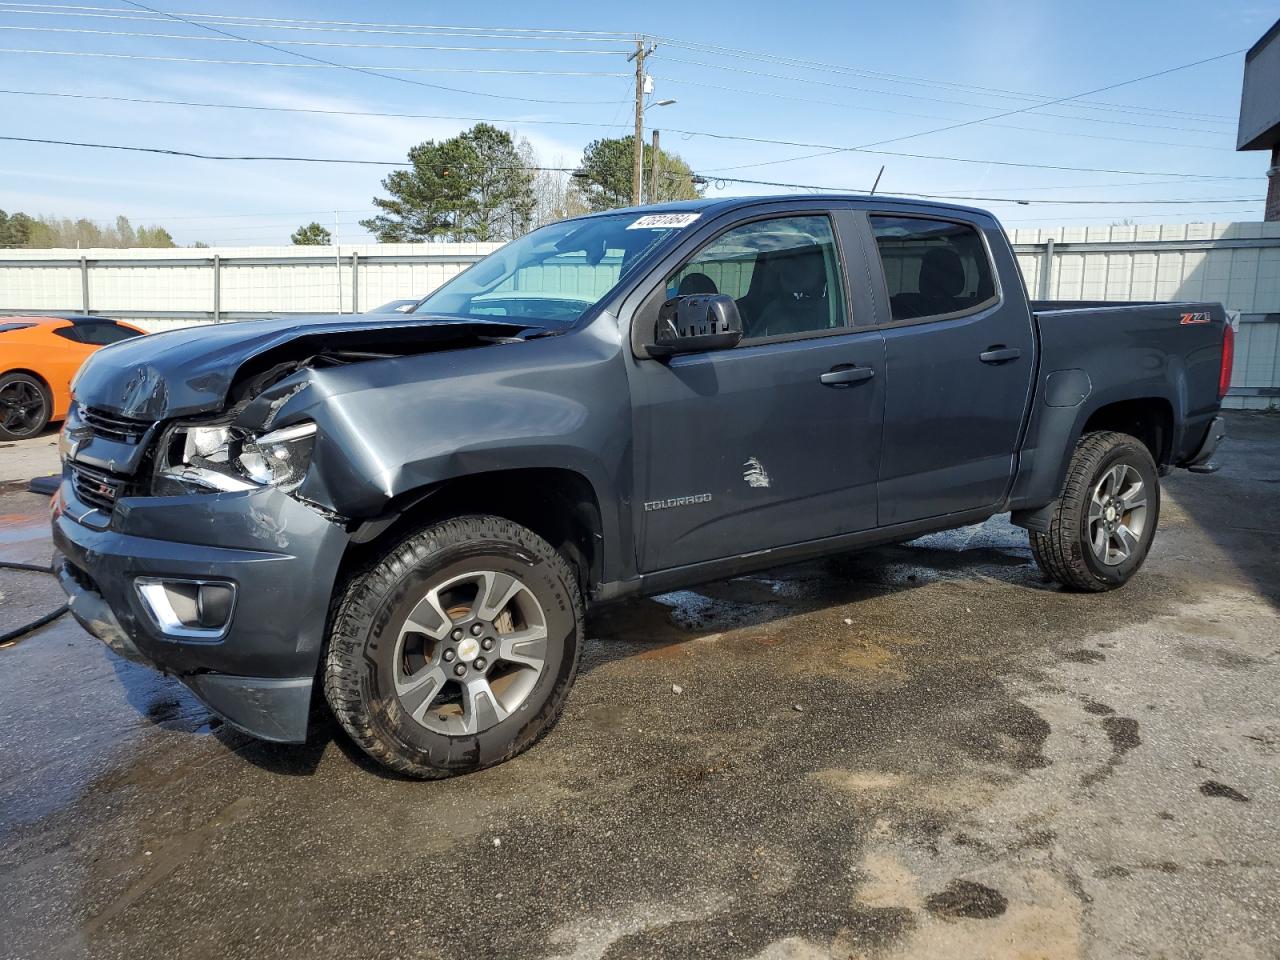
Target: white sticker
(663, 221)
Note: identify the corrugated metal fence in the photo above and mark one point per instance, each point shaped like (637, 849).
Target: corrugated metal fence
(164, 288)
(1235, 263)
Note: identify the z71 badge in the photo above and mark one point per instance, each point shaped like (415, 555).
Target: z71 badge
(1189, 318)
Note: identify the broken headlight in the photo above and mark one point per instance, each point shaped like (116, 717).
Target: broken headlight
(279, 458)
(226, 457)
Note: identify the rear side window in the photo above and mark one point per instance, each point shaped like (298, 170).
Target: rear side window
(6, 327)
(97, 334)
(933, 268)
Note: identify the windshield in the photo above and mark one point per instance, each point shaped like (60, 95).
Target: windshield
(552, 276)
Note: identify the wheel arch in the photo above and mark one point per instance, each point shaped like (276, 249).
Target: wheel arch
(44, 381)
(1151, 418)
(557, 503)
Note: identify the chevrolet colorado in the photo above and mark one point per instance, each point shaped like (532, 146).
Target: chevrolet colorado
(411, 512)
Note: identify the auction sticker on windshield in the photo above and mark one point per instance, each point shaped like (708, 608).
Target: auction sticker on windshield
(663, 221)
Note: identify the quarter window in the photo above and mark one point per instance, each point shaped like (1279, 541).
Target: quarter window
(783, 273)
(932, 267)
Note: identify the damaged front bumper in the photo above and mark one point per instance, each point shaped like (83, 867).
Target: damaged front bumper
(280, 556)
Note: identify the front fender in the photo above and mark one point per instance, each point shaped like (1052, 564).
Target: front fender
(392, 427)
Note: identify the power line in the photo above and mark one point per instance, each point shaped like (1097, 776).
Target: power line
(540, 169)
(1050, 103)
(307, 110)
(349, 26)
(474, 119)
(809, 81)
(829, 148)
(717, 136)
(306, 43)
(203, 156)
(358, 69)
(756, 72)
(927, 116)
(330, 63)
(897, 78)
(223, 156)
(997, 116)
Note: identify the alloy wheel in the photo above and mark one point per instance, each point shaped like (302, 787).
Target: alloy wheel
(1117, 514)
(22, 408)
(470, 652)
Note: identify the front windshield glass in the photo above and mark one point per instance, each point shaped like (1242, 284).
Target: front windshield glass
(552, 276)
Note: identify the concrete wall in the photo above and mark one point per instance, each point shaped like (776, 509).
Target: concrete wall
(1235, 263)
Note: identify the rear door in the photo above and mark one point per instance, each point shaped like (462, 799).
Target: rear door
(776, 441)
(959, 357)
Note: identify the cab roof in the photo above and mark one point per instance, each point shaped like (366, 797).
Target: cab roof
(724, 204)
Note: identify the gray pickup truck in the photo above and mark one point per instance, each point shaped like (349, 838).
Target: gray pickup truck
(411, 513)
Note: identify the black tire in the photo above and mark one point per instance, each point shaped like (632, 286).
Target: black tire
(1067, 552)
(369, 648)
(36, 404)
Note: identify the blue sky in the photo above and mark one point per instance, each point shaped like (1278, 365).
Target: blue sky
(836, 73)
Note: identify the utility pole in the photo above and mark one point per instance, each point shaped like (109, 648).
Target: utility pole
(637, 167)
(653, 171)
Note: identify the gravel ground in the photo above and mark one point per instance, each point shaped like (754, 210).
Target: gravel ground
(920, 751)
(20, 460)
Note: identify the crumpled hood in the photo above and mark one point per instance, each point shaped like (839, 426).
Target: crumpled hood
(181, 372)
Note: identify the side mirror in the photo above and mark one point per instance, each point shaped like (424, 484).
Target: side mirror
(692, 324)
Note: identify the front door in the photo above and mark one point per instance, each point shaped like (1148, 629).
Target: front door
(959, 359)
(776, 441)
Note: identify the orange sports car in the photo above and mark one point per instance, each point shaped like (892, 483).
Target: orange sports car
(38, 358)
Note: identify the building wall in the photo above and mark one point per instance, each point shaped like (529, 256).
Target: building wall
(1237, 264)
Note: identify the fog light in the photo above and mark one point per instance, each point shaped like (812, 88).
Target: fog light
(188, 609)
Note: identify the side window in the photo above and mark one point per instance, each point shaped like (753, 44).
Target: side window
(932, 267)
(101, 334)
(783, 273)
(96, 334)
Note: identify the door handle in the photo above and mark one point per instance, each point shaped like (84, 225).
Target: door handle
(845, 375)
(999, 354)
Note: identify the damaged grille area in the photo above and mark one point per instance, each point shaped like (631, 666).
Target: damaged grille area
(111, 426)
(98, 488)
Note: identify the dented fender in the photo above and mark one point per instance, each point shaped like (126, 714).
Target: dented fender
(390, 427)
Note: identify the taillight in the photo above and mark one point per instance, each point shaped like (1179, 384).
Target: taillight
(1228, 359)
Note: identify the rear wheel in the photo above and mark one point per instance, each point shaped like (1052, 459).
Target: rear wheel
(1103, 524)
(457, 650)
(25, 406)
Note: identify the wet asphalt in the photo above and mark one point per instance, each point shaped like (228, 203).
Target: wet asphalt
(919, 751)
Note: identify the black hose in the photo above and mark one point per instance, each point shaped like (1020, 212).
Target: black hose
(11, 635)
(34, 567)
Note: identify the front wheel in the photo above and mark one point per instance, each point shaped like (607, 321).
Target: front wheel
(1103, 524)
(456, 650)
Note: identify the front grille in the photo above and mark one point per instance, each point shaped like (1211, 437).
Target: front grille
(97, 487)
(114, 427)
